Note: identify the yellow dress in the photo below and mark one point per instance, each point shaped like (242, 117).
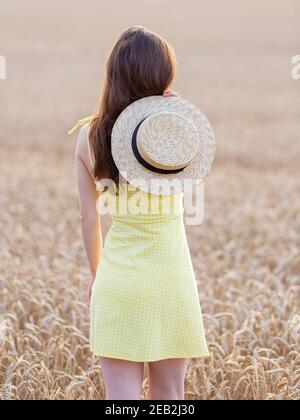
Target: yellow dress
(145, 304)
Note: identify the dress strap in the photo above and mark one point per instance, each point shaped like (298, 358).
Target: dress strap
(81, 123)
(89, 147)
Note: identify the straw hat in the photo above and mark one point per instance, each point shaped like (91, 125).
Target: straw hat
(163, 145)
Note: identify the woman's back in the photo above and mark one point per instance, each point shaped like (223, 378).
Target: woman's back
(133, 204)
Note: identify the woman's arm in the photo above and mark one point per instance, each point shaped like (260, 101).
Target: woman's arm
(88, 196)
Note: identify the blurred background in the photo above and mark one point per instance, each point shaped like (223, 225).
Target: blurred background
(234, 62)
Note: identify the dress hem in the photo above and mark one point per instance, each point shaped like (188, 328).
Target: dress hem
(193, 356)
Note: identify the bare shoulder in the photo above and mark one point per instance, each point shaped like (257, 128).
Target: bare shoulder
(82, 142)
(82, 152)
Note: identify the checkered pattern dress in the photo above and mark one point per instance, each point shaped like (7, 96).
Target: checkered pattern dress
(145, 303)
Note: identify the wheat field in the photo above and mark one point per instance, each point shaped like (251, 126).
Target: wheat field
(234, 62)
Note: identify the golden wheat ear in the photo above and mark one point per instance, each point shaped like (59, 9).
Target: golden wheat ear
(81, 123)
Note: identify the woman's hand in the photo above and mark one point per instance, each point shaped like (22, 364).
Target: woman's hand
(168, 93)
(92, 281)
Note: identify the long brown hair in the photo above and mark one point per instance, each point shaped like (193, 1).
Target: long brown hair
(140, 64)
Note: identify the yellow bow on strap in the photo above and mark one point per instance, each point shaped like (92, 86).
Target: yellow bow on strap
(81, 123)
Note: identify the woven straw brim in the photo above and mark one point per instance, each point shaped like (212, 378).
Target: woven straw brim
(150, 181)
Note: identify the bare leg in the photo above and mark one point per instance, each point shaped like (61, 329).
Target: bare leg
(166, 379)
(123, 379)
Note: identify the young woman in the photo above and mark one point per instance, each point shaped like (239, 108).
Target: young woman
(143, 294)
